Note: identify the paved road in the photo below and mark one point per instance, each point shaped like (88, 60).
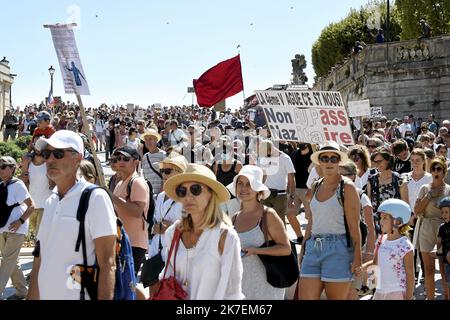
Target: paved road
(26, 258)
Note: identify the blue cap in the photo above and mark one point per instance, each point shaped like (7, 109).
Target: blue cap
(398, 209)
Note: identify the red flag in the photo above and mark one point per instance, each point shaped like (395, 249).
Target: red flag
(220, 82)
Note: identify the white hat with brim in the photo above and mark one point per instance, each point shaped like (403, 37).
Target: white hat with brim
(62, 139)
(254, 175)
(151, 133)
(197, 173)
(329, 146)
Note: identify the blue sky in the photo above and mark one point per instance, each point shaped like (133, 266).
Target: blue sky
(146, 52)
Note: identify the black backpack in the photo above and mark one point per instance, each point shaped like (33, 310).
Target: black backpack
(5, 210)
(151, 206)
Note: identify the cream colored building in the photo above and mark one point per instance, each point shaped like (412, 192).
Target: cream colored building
(6, 81)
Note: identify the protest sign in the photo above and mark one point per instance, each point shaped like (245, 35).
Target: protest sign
(376, 112)
(359, 108)
(130, 107)
(72, 72)
(306, 116)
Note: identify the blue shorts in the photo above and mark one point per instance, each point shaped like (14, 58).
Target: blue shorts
(328, 258)
(447, 273)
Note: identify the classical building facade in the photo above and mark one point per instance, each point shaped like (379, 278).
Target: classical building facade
(6, 81)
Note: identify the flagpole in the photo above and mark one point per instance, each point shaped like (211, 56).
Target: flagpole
(243, 88)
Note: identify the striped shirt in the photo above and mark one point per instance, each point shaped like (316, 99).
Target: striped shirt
(148, 173)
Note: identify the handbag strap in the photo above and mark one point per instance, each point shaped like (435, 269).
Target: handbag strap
(151, 167)
(160, 224)
(265, 229)
(174, 245)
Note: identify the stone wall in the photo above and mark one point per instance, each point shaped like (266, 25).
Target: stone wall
(406, 77)
(6, 81)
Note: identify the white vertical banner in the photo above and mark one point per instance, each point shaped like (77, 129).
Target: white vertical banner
(72, 71)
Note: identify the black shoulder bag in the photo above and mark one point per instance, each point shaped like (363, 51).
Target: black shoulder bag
(281, 271)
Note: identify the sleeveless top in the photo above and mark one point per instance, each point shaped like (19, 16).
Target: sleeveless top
(328, 216)
(226, 177)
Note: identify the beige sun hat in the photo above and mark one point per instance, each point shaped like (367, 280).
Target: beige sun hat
(175, 159)
(152, 133)
(329, 146)
(255, 175)
(197, 173)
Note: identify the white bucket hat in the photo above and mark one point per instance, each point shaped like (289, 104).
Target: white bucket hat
(255, 175)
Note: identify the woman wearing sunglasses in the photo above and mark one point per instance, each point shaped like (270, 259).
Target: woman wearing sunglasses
(167, 211)
(328, 261)
(427, 207)
(208, 261)
(360, 156)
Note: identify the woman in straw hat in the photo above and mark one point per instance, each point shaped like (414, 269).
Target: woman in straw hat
(167, 211)
(328, 258)
(154, 155)
(248, 187)
(208, 259)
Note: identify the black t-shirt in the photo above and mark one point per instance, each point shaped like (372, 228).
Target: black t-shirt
(301, 165)
(444, 234)
(401, 166)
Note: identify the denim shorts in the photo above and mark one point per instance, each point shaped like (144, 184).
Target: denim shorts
(328, 258)
(447, 273)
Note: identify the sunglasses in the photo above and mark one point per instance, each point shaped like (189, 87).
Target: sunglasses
(4, 166)
(371, 146)
(437, 169)
(332, 159)
(120, 158)
(57, 153)
(195, 190)
(166, 171)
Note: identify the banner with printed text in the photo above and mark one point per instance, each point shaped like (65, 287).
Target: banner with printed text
(72, 71)
(306, 116)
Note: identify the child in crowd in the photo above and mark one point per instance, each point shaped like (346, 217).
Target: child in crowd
(443, 242)
(394, 255)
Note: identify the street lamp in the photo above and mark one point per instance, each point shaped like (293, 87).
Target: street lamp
(51, 70)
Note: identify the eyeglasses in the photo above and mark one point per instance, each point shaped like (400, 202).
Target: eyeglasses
(378, 161)
(355, 157)
(332, 159)
(166, 171)
(437, 169)
(347, 174)
(195, 190)
(120, 158)
(4, 166)
(57, 153)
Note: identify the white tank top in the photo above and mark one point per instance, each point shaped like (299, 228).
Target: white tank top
(327, 216)
(39, 187)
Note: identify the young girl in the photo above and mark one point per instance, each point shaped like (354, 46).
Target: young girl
(394, 255)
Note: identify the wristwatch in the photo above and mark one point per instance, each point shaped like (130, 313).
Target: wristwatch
(21, 220)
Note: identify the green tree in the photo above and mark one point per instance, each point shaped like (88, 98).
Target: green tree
(436, 12)
(337, 40)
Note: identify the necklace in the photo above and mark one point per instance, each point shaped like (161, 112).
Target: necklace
(185, 283)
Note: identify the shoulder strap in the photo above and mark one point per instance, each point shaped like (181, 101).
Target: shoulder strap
(342, 202)
(315, 186)
(130, 183)
(395, 178)
(151, 167)
(174, 245)
(264, 228)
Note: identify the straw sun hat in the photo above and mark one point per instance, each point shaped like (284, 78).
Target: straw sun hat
(329, 146)
(197, 173)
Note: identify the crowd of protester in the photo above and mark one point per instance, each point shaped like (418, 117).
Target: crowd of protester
(216, 187)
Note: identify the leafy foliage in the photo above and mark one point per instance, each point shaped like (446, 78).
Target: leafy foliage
(337, 40)
(11, 149)
(23, 142)
(436, 12)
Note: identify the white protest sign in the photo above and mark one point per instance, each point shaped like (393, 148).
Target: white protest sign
(72, 71)
(376, 112)
(359, 108)
(130, 107)
(306, 116)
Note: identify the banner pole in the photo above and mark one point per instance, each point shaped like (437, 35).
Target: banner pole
(88, 134)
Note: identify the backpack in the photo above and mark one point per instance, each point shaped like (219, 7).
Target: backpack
(151, 206)
(5, 210)
(340, 195)
(125, 285)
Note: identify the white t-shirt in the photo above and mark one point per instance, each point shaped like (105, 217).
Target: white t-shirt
(365, 201)
(277, 170)
(58, 235)
(39, 187)
(403, 128)
(392, 275)
(360, 182)
(17, 193)
(414, 187)
(99, 125)
(313, 176)
(133, 144)
(164, 210)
